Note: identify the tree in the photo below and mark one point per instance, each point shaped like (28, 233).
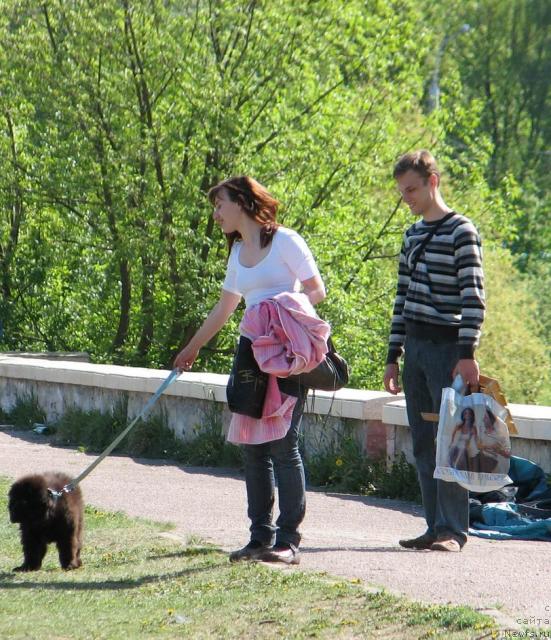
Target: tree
(513, 349)
(132, 110)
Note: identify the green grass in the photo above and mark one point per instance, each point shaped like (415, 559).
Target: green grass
(138, 583)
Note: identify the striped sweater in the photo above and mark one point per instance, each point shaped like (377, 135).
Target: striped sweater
(444, 294)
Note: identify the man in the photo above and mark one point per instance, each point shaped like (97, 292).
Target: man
(438, 312)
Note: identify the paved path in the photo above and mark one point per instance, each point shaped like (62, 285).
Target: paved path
(344, 535)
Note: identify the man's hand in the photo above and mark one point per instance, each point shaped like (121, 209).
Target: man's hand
(468, 369)
(392, 375)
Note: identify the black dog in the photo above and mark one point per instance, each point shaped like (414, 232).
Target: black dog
(43, 518)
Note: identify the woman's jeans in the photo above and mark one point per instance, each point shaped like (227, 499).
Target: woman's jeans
(280, 461)
(427, 370)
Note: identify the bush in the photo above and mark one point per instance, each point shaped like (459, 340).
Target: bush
(91, 430)
(209, 448)
(344, 467)
(24, 414)
(513, 348)
(151, 438)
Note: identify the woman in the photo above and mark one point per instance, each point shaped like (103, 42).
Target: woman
(266, 260)
(494, 445)
(463, 447)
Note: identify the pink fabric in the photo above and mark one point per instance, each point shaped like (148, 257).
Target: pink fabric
(287, 338)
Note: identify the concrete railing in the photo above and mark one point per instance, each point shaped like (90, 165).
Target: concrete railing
(377, 419)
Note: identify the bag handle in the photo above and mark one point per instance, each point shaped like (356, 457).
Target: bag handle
(428, 238)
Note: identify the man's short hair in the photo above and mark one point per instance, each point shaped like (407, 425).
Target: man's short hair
(421, 161)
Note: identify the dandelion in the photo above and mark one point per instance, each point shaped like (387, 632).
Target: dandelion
(338, 462)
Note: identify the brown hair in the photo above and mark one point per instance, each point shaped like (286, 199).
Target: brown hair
(421, 161)
(255, 201)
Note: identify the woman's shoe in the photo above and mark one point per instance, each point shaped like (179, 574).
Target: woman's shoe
(286, 553)
(252, 551)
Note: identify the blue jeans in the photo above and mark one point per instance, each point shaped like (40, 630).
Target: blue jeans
(277, 460)
(427, 369)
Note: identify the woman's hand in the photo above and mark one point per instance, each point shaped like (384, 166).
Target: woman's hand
(216, 319)
(185, 359)
(314, 289)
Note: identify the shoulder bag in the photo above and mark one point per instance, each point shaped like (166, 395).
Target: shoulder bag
(331, 374)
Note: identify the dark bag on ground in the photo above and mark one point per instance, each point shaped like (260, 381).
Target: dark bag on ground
(331, 374)
(247, 384)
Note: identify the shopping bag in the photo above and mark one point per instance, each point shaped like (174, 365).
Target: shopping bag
(472, 445)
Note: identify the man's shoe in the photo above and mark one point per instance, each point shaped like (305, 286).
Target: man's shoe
(252, 551)
(286, 553)
(422, 542)
(446, 543)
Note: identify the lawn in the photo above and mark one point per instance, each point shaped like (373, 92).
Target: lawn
(138, 581)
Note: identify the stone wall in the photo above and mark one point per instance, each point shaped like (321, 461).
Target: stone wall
(377, 419)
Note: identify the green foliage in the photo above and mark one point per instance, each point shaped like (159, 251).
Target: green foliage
(345, 467)
(501, 69)
(114, 239)
(453, 619)
(513, 347)
(208, 447)
(152, 438)
(94, 431)
(24, 414)
(130, 111)
(90, 430)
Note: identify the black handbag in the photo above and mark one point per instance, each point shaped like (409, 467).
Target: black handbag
(247, 384)
(331, 374)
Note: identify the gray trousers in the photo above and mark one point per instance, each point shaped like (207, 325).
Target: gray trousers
(427, 369)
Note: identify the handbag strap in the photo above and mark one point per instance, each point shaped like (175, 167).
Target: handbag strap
(428, 238)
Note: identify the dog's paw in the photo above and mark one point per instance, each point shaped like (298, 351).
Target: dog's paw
(25, 567)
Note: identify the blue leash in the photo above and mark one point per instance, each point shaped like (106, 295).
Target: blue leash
(72, 485)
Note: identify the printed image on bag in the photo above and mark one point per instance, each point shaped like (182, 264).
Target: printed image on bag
(472, 445)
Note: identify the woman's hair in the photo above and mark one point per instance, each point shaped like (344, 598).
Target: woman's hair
(255, 201)
(465, 412)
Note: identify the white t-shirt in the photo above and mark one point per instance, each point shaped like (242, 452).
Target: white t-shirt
(288, 263)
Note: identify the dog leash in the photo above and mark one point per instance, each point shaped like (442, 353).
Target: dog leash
(72, 485)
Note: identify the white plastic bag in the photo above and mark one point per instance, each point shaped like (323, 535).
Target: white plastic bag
(472, 445)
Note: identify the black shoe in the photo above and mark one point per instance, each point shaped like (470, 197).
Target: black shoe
(286, 553)
(252, 551)
(422, 542)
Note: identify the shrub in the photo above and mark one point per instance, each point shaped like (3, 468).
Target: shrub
(92, 430)
(513, 348)
(25, 413)
(209, 446)
(344, 467)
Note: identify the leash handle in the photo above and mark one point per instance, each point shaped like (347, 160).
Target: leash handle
(72, 485)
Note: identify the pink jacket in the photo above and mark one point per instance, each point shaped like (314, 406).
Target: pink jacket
(287, 338)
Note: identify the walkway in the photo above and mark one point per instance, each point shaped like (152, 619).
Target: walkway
(343, 535)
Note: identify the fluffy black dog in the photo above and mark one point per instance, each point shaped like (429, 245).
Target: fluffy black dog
(42, 519)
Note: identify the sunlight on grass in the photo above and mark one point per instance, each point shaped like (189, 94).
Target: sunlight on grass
(138, 583)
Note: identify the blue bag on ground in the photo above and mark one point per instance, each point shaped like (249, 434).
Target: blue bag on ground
(472, 445)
